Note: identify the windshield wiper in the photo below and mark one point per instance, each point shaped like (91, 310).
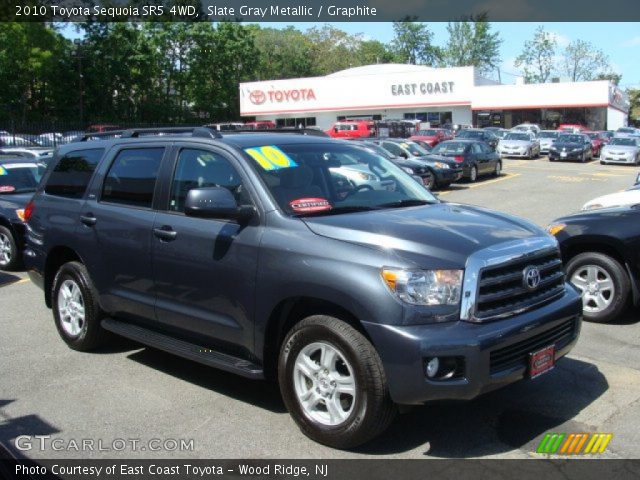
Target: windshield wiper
(338, 210)
(410, 202)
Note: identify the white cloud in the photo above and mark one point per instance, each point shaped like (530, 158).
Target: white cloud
(561, 40)
(632, 42)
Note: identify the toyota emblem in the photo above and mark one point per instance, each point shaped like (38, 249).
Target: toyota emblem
(257, 97)
(531, 278)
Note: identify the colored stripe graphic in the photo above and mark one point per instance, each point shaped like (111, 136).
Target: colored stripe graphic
(573, 443)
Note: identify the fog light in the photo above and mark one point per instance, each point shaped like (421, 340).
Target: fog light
(432, 367)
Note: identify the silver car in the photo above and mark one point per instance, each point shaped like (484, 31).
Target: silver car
(624, 132)
(519, 144)
(546, 138)
(621, 150)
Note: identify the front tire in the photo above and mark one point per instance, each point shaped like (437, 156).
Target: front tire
(9, 253)
(75, 307)
(333, 383)
(604, 285)
(498, 169)
(473, 174)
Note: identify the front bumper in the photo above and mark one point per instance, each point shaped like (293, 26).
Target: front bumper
(403, 350)
(448, 175)
(513, 153)
(568, 155)
(609, 158)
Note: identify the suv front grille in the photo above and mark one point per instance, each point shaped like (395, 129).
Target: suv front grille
(517, 355)
(502, 292)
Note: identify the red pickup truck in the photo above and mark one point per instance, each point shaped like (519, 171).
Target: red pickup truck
(352, 129)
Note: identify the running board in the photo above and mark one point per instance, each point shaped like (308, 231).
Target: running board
(184, 349)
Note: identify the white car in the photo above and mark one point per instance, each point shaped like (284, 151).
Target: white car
(621, 150)
(620, 199)
(519, 144)
(527, 127)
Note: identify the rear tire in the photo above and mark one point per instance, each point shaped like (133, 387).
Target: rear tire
(604, 284)
(498, 169)
(75, 307)
(333, 383)
(473, 174)
(9, 253)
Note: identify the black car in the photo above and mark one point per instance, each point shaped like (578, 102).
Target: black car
(414, 167)
(571, 146)
(235, 251)
(479, 134)
(444, 170)
(475, 157)
(601, 251)
(18, 180)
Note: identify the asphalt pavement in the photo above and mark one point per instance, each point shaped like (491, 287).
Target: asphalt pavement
(160, 406)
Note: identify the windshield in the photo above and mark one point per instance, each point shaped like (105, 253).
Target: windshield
(626, 130)
(377, 149)
(628, 142)
(414, 149)
(517, 136)
(20, 177)
(330, 178)
(428, 133)
(449, 147)
(470, 134)
(570, 138)
(544, 134)
(12, 141)
(346, 126)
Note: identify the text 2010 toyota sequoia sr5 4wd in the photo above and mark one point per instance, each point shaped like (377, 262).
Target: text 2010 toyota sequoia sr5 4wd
(300, 258)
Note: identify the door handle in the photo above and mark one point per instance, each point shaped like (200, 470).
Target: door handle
(165, 233)
(89, 220)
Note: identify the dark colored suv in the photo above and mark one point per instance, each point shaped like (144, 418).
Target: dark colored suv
(241, 252)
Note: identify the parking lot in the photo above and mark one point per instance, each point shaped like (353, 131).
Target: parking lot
(126, 391)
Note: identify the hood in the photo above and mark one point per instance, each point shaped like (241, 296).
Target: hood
(515, 143)
(561, 145)
(443, 234)
(619, 148)
(12, 201)
(547, 140)
(628, 197)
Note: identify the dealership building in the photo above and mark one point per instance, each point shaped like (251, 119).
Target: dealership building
(441, 96)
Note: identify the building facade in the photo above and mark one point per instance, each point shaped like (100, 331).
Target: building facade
(441, 96)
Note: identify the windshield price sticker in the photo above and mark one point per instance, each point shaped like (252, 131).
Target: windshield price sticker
(308, 205)
(270, 157)
(7, 188)
(3, 171)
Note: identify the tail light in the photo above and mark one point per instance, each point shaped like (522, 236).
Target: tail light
(27, 212)
(459, 158)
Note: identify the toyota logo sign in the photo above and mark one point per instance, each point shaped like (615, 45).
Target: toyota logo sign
(531, 278)
(257, 97)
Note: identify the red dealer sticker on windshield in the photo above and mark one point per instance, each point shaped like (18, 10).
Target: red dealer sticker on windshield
(7, 188)
(308, 205)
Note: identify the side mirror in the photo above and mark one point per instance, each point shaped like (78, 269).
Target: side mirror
(216, 202)
(404, 154)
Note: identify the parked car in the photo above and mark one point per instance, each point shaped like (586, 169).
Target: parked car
(101, 128)
(623, 132)
(228, 126)
(425, 146)
(233, 251)
(600, 250)
(596, 142)
(431, 136)
(51, 139)
(16, 141)
(260, 125)
(571, 128)
(618, 199)
(606, 136)
(41, 154)
(519, 144)
(624, 150)
(527, 127)
(546, 139)
(475, 157)
(571, 146)
(18, 181)
(352, 129)
(417, 168)
(478, 134)
(445, 171)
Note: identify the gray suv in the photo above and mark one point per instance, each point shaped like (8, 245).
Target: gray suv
(249, 253)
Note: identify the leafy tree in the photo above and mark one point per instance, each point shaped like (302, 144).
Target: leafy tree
(412, 43)
(634, 110)
(373, 51)
(582, 61)
(285, 53)
(332, 49)
(611, 76)
(472, 43)
(537, 57)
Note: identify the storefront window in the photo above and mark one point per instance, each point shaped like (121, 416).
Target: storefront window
(594, 118)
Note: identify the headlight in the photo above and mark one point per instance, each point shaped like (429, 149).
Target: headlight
(556, 228)
(366, 176)
(441, 165)
(425, 287)
(408, 170)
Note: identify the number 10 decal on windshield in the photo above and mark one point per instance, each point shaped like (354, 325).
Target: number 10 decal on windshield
(270, 157)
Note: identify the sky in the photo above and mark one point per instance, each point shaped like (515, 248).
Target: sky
(620, 41)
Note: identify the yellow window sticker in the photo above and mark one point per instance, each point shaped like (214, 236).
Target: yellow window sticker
(270, 157)
(3, 171)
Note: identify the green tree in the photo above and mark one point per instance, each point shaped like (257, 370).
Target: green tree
(611, 76)
(332, 49)
(412, 43)
(282, 53)
(583, 61)
(537, 57)
(472, 43)
(373, 51)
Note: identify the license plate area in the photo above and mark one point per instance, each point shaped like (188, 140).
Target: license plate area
(563, 154)
(542, 361)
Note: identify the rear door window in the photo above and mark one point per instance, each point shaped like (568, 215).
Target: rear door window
(73, 172)
(131, 179)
